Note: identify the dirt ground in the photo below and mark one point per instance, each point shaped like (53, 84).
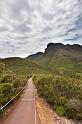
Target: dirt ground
(48, 116)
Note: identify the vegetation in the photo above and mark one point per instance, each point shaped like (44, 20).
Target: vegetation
(23, 66)
(64, 94)
(10, 85)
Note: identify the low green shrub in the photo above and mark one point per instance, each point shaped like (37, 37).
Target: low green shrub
(10, 85)
(63, 93)
(60, 110)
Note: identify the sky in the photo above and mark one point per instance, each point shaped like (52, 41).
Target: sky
(27, 26)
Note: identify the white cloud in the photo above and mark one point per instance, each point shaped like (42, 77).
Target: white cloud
(26, 26)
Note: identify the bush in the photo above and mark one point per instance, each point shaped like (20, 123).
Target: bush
(6, 79)
(60, 110)
(16, 83)
(10, 84)
(6, 93)
(2, 69)
(74, 109)
(63, 93)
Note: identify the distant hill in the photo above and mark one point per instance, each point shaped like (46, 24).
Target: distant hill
(22, 66)
(39, 54)
(58, 56)
(59, 49)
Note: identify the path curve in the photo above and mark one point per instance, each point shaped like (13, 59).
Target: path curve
(25, 111)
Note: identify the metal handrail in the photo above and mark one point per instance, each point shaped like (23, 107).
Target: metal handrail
(4, 106)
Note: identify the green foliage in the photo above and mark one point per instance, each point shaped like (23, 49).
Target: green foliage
(6, 78)
(63, 93)
(6, 93)
(23, 67)
(16, 83)
(2, 68)
(60, 110)
(74, 108)
(10, 84)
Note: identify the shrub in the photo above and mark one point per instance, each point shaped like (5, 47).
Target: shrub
(63, 93)
(10, 84)
(6, 79)
(60, 110)
(74, 109)
(6, 93)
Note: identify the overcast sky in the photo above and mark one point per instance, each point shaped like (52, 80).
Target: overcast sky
(27, 26)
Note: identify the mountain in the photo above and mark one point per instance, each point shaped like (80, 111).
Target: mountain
(59, 49)
(39, 54)
(58, 56)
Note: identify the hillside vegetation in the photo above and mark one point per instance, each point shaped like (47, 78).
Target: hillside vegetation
(63, 88)
(23, 67)
(10, 85)
(64, 94)
(58, 58)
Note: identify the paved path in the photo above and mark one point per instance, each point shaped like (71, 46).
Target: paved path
(25, 111)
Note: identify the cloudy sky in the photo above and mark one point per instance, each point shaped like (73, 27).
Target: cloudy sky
(27, 26)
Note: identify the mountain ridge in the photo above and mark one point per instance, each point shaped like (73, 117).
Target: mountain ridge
(54, 47)
(50, 46)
